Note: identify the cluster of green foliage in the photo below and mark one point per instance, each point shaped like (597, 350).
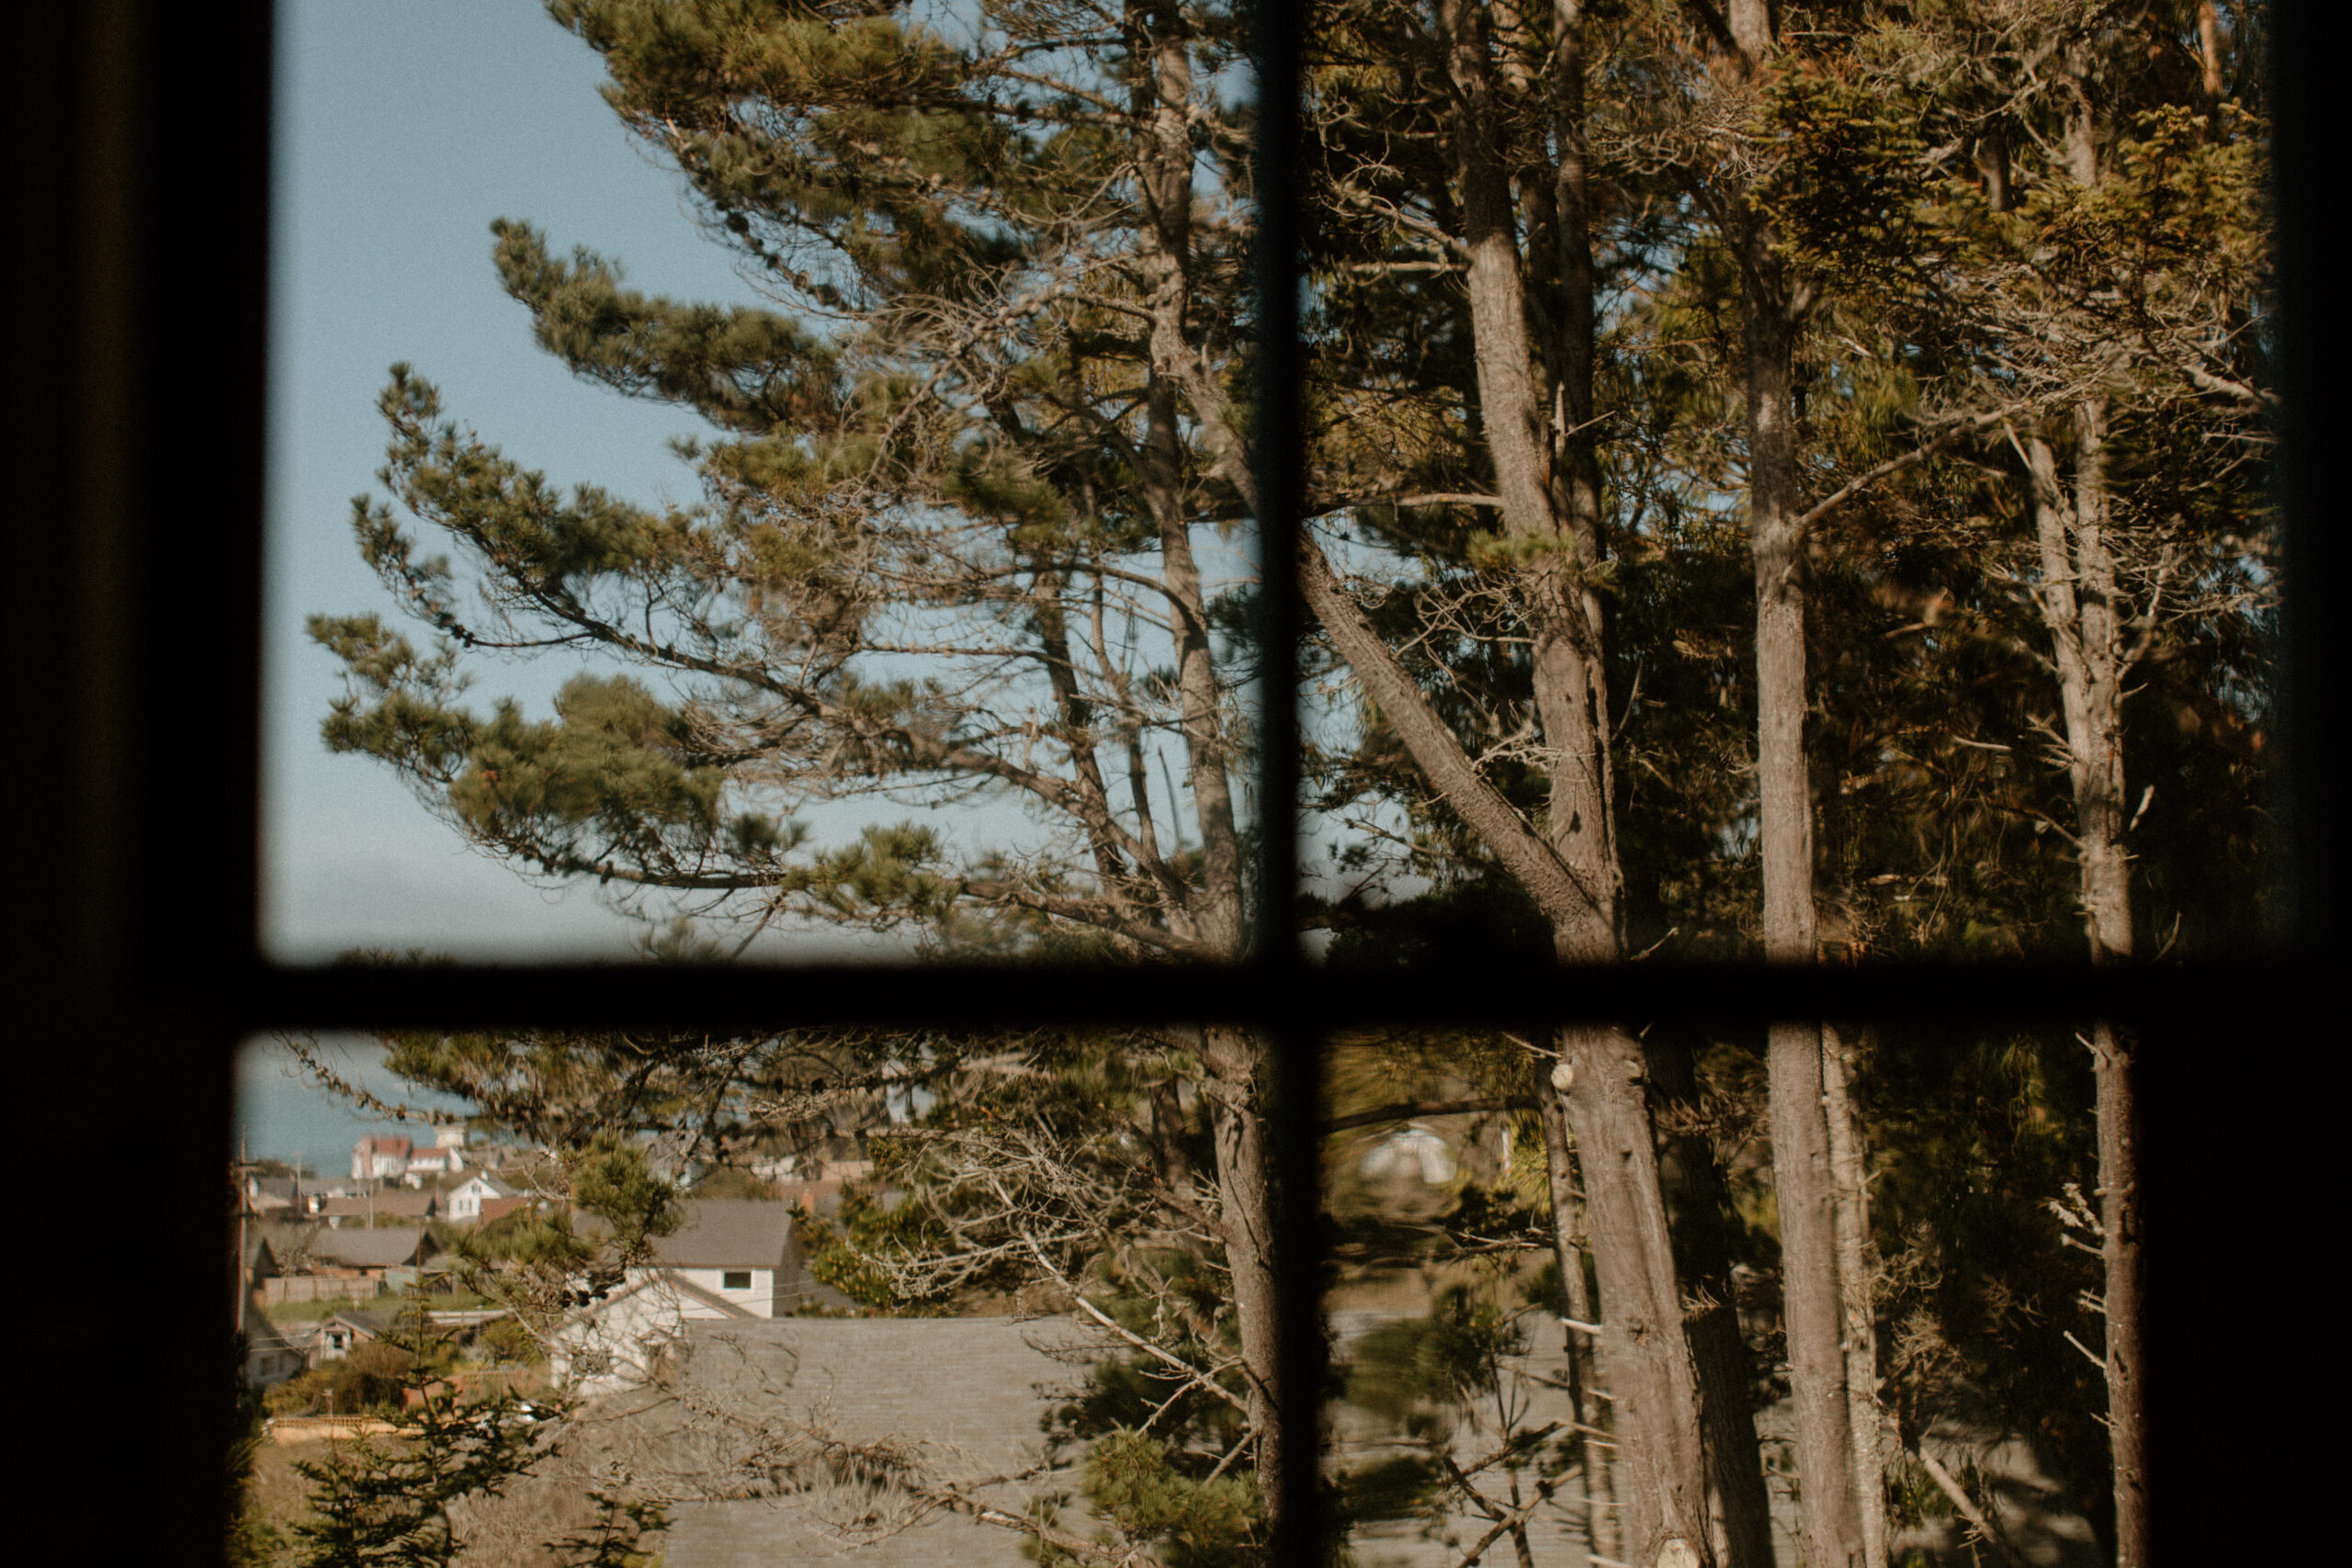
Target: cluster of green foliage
(614, 1538)
(385, 1502)
(369, 1381)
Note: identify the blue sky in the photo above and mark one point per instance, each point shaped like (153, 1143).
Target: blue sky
(403, 130)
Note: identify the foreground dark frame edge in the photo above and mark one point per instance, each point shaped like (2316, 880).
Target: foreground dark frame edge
(137, 250)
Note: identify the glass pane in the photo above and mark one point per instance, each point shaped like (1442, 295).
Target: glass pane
(804, 523)
(1930, 1276)
(758, 1297)
(1715, 572)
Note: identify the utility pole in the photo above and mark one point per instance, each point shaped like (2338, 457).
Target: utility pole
(242, 1271)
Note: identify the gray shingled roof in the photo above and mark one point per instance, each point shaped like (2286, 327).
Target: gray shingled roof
(399, 1204)
(727, 1233)
(969, 1393)
(971, 1390)
(369, 1249)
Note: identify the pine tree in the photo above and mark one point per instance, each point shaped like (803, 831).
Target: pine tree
(388, 1501)
(948, 547)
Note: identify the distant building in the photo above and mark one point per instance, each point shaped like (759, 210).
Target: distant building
(361, 1263)
(499, 1208)
(270, 1358)
(442, 1159)
(962, 1399)
(399, 1208)
(274, 1194)
(465, 1200)
(380, 1157)
(283, 1266)
(731, 1259)
(334, 1339)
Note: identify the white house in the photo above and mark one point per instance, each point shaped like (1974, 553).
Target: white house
(464, 1202)
(380, 1157)
(730, 1258)
(442, 1159)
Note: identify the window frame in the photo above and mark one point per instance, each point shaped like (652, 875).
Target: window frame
(141, 165)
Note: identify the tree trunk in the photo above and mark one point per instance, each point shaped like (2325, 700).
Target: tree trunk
(1846, 1164)
(1652, 1375)
(2082, 610)
(1600, 1457)
(1802, 1183)
(1694, 1190)
(1811, 1298)
(1811, 1304)
(1245, 1197)
(1245, 1219)
(2076, 599)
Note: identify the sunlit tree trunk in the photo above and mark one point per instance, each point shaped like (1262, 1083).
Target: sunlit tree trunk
(1813, 1304)
(1584, 1409)
(1848, 1169)
(1550, 503)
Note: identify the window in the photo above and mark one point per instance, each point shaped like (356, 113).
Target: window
(134, 914)
(736, 1279)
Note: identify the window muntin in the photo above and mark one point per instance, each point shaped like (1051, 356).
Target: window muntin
(1735, 988)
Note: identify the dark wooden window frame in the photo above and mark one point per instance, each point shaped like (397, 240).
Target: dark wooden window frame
(137, 252)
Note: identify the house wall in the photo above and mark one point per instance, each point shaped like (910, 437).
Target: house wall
(763, 1298)
(316, 1288)
(601, 1352)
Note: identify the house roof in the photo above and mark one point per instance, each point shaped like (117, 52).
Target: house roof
(727, 1233)
(372, 1322)
(261, 1333)
(497, 1188)
(867, 1380)
(288, 1240)
(388, 1248)
(397, 1205)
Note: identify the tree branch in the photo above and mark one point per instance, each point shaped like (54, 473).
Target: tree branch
(1433, 745)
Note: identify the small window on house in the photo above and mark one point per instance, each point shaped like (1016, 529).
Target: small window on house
(739, 1280)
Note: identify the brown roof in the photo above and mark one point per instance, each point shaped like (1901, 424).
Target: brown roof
(728, 1233)
(288, 1240)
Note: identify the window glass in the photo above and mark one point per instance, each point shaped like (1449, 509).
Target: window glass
(808, 521)
(1071, 1222)
(1935, 1251)
(1700, 573)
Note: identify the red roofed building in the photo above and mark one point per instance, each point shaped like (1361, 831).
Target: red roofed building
(380, 1156)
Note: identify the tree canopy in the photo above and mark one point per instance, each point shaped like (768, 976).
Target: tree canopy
(1783, 483)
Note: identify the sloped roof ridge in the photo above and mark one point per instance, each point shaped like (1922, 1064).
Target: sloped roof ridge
(727, 1233)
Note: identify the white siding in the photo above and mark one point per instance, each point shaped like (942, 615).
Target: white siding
(761, 1298)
